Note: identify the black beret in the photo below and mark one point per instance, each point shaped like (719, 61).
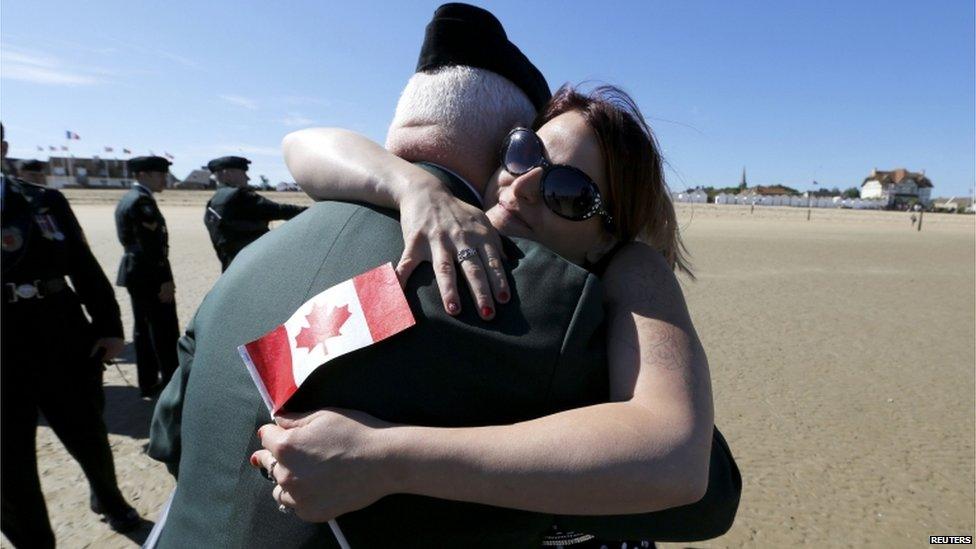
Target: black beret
(227, 162)
(461, 34)
(32, 165)
(149, 164)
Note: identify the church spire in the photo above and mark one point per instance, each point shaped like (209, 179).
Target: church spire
(743, 184)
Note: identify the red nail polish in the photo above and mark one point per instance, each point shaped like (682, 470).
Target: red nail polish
(486, 311)
(452, 307)
(503, 296)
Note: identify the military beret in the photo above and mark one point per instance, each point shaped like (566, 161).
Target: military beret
(227, 162)
(461, 34)
(149, 164)
(32, 165)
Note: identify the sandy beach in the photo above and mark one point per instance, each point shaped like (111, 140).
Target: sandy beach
(841, 352)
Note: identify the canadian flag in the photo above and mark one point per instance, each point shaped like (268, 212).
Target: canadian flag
(344, 318)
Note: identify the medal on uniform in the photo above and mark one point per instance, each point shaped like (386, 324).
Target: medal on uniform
(49, 228)
(12, 239)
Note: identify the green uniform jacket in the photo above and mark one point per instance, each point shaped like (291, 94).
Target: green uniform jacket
(145, 240)
(235, 217)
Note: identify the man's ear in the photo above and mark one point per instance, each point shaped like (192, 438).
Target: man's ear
(607, 242)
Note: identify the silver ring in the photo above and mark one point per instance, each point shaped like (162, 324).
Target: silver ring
(271, 468)
(466, 254)
(282, 508)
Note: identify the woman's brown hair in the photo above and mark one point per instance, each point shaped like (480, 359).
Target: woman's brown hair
(639, 200)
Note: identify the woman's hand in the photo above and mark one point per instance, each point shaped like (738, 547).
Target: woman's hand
(329, 462)
(337, 164)
(436, 227)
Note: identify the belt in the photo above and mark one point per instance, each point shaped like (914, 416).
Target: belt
(38, 289)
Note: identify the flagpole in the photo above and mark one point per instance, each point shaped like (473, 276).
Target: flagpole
(67, 149)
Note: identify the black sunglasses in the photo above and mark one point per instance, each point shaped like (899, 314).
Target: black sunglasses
(566, 190)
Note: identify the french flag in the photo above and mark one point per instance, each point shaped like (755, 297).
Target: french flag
(70, 135)
(344, 318)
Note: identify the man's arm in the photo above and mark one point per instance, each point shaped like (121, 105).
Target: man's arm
(87, 277)
(256, 206)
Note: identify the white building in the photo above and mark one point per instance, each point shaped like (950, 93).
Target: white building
(697, 196)
(722, 198)
(897, 187)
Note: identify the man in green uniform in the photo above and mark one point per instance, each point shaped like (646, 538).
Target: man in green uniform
(237, 215)
(146, 274)
(52, 357)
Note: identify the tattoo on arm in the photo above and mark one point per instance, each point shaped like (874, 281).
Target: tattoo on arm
(655, 308)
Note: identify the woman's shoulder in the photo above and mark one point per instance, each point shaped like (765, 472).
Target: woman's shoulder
(636, 269)
(636, 256)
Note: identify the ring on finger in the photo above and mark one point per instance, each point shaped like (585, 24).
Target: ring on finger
(466, 254)
(271, 468)
(282, 508)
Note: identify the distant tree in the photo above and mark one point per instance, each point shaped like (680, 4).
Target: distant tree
(826, 192)
(852, 192)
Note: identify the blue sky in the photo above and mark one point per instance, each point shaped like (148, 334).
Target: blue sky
(793, 91)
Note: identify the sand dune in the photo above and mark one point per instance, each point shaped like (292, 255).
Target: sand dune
(842, 356)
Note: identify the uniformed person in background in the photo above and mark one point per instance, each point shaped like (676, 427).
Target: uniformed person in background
(52, 358)
(145, 272)
(237, 215)
(32, 171)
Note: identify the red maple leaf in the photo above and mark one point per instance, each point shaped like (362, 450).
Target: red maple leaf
(322, 326)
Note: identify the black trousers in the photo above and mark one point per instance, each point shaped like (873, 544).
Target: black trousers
(155, 334)
(64, 384)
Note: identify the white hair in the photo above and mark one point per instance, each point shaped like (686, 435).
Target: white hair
(457, 116)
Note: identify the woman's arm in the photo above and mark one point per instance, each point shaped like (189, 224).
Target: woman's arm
(647, 450)
(337, 164)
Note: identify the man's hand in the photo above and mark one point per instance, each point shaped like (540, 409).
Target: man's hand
(167, 292)
(110, 346)
(329, 462)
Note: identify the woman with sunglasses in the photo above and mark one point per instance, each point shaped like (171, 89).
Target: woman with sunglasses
(588, 184)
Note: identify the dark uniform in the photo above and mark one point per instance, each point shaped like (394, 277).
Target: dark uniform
(46, 357)
(237, 216)
(143, 270)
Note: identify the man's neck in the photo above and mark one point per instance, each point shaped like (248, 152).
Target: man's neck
(423, 143)
(146, 187)
(474, 190)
